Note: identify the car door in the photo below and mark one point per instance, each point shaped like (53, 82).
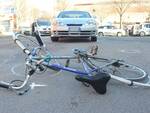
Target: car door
(111, 30)
(148, 29)
(106, 30)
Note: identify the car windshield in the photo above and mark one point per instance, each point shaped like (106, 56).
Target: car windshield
(74, 14)
(43, 23)
(147, 25)
(111, 27)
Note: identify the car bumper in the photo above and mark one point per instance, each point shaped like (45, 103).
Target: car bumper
(45, 33)
(74, 31)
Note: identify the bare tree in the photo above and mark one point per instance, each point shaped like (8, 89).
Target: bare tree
(121, 7)
(100, 13)
(146, 7)
(20, 10)
(62, 5)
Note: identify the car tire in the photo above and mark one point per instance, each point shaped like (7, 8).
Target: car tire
(100, 34)
(54, 39)
(142, 33)
(94, 39)
(119, 34)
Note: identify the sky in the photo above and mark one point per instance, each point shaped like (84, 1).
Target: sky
(81, 1)
(42, 4)
(48, 4)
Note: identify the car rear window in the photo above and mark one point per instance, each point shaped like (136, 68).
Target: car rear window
(74, 14)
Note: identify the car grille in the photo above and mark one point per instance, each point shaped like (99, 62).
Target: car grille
(74, 24)
(81, 33)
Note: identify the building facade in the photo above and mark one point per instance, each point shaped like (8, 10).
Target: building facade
(7, 15)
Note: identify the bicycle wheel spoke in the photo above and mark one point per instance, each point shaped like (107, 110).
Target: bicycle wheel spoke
(119, 68)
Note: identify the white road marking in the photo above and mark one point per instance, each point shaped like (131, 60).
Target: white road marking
(134, 51)
(33, 85)
(13, 70)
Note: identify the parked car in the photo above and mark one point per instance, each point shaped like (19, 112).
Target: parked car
(26, 30)
(75, 24)
(144, 29)
(41, 25)
(134, 30)
(110, 30)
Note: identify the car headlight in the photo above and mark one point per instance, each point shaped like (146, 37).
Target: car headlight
(57, 23)
(39, 29)
(61, 24)
(90, 23)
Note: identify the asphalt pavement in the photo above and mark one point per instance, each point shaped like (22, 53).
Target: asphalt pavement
(62, 93)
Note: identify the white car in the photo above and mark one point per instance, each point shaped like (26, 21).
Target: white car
(74, 24)
(110, 30)
(144, 29)
(43, 26)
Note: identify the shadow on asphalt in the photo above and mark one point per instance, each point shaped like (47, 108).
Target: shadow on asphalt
(72, 40)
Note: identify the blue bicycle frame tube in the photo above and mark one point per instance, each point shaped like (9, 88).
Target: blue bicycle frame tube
(58, 66)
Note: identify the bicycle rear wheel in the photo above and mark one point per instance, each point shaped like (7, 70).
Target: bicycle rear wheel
(119, 68)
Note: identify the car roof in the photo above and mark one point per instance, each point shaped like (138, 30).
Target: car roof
(145, 23)
(73, 11)
(42, 20)
(107, 26)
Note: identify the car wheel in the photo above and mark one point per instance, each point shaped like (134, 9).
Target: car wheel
(119, 34)
(54, 39)
(142, 33)
(94, 39)
(100, 34)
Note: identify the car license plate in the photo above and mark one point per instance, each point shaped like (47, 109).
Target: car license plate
(74, 28)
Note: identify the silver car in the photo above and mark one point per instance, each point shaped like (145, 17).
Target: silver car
(75, 24)
(109, 30)
(41, 25)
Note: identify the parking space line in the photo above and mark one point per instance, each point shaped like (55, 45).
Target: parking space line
(134, 51)
(13, 70)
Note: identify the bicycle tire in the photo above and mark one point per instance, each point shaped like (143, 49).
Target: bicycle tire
(118, 68)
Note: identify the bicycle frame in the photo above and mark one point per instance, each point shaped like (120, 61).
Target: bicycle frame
(87, 72)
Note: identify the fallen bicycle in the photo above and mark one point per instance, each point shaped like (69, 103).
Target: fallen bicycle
(95, 72)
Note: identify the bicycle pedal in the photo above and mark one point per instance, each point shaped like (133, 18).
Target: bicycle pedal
(67, 63)
(94, 50)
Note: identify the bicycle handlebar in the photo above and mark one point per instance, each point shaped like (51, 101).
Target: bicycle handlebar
(4, 84)
(18, 42)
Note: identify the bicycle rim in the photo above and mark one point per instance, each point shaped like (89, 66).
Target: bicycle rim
(119, 68)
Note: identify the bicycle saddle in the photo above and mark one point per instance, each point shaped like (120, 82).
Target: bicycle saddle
(98, 82)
